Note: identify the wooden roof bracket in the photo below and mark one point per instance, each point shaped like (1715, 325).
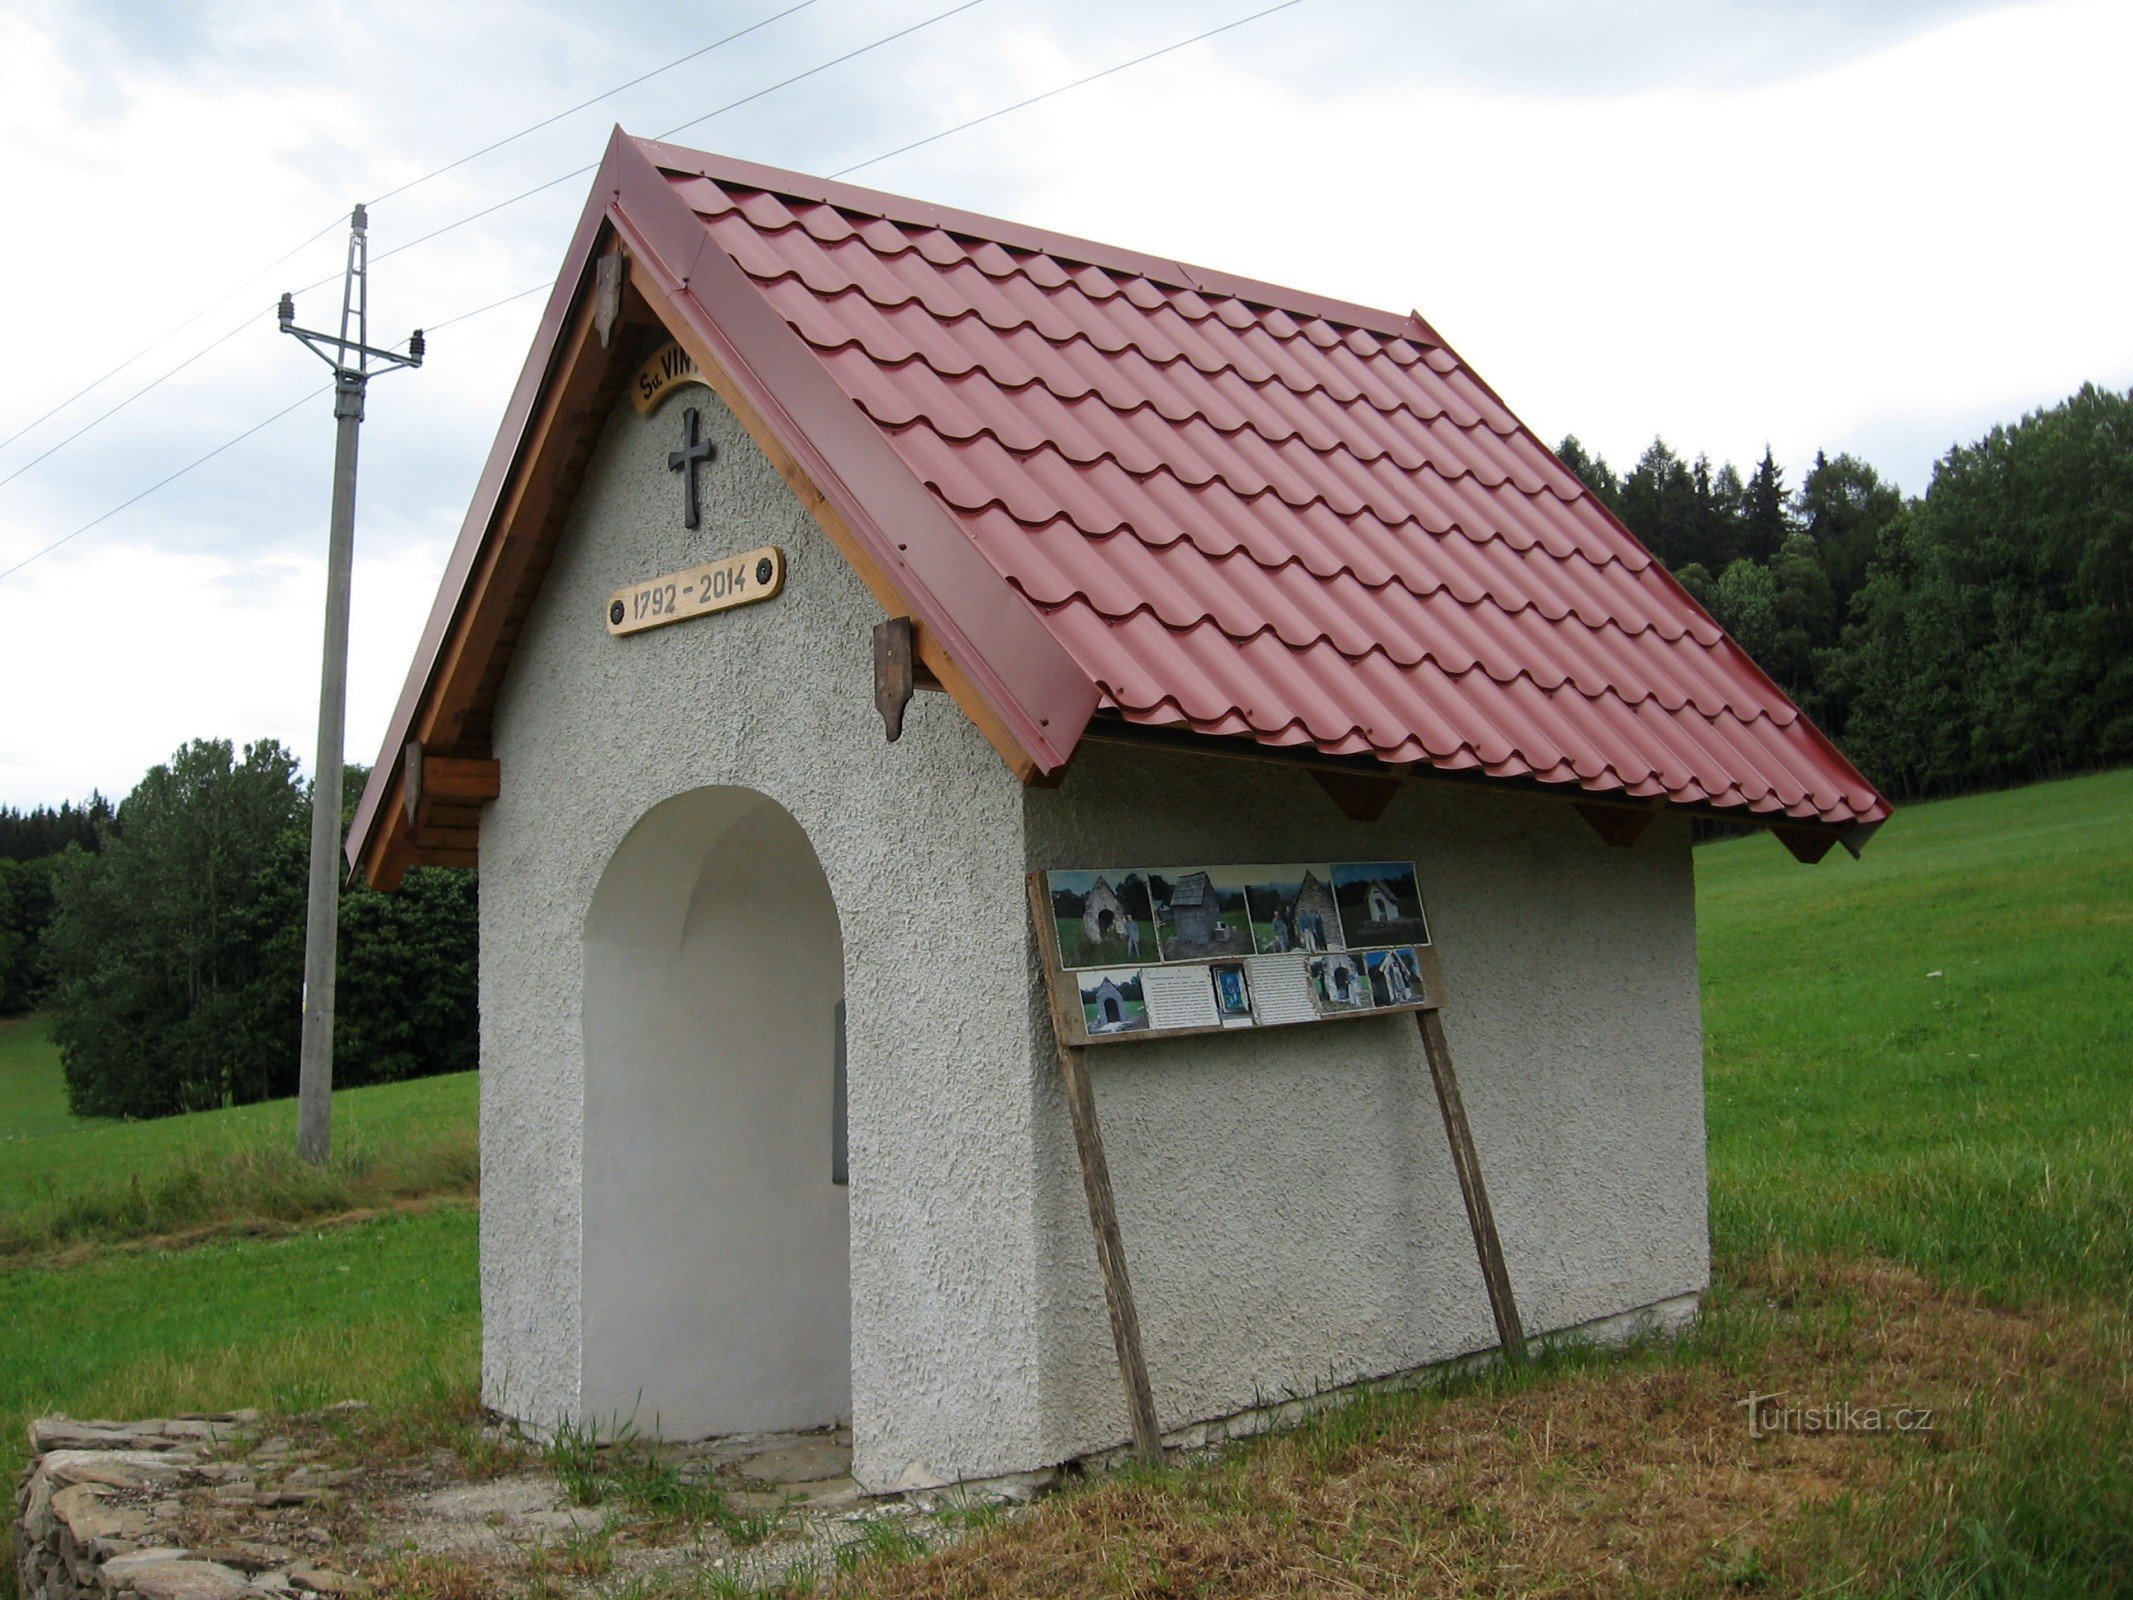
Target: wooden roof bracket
(1361, 797)
(1620, 826)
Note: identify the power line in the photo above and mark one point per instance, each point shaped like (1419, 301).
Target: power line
(97, 383)
(521, 294)
(237, 439)
(1063, 88)
(731, 105)
(164, 482)
(153, 383)
(339, 217)
(678, 61)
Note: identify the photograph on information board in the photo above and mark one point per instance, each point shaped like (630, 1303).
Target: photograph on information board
(1292, 908)
(1338, 982)
(1200, 912)
(1395, 976)
(1379, 903)
(1103, 918)
(1113, 1001)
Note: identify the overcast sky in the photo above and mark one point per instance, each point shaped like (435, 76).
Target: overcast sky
(1867, 225)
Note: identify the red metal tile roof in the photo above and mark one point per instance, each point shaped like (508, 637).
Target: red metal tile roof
(1257, 513)
(1236, 509)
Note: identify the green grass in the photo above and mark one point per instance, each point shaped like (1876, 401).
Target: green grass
(1928, 1054)
(33, 1097)
(68, 1181)
(1976, 1126)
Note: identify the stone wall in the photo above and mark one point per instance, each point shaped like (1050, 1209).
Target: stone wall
(116, 1508)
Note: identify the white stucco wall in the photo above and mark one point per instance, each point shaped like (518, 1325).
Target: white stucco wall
(716, 1243)
(919, 841)
(1287, 1200)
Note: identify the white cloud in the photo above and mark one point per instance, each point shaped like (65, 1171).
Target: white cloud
(1877, 227)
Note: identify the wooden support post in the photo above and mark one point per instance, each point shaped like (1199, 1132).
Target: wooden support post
(1111, 1255)
(1467, 1164)
(1103, 1215)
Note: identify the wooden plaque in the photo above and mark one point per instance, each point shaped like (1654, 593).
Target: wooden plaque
(720, 585)
(666, 369)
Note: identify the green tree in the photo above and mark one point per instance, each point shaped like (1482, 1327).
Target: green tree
(1765, 521)
(1697, 579)
(1659, 504)
(150, 943)
(179, 948)
(1592, 471)
(1992, 640)
(1843, 506)
(25, 912)
(1747, 608)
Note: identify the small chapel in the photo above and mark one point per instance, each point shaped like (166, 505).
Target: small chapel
(845, 563)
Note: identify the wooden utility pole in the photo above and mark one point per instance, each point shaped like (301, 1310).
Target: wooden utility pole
(350, 357)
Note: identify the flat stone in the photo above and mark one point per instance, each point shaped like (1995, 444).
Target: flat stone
(295, 1497)
(478, 1502)
(324, 1580)
(248, 1557)
(82, 1508)
(803, 1461)
(828, 1494)
(63, 1433)
(118, 1568)
(109, 1527)
(755, 1502)
(37, 1509)
(121, 1469)
(187, 1580)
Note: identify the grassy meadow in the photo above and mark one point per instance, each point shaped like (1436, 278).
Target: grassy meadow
(1920, 1101)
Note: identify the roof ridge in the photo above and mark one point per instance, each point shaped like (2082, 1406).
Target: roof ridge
(949, 219)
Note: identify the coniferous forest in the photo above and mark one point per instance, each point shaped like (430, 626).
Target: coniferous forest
(1977, 635)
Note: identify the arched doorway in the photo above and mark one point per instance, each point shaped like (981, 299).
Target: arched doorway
(717, 1254)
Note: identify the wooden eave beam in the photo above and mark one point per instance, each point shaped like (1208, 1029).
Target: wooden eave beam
(1109, 728)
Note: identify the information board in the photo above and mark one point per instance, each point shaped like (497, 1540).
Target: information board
(1156, 952)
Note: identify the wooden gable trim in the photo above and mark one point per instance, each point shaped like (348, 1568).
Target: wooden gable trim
(450, 722)
(925, 642)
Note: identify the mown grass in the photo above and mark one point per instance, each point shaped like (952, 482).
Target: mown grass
(66, 1182)
(1928, 1054)
(1919, 1196)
